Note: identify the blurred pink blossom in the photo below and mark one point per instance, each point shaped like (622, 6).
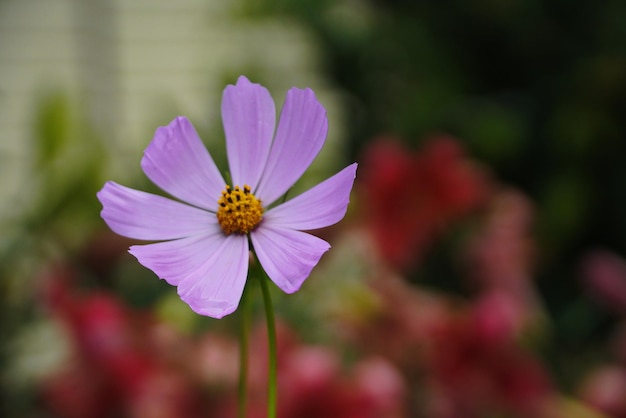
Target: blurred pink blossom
(501, 253)
(500, 259)
(463, 358)
(313, 381)
(116, 368)
(604, 275)
(605, 390)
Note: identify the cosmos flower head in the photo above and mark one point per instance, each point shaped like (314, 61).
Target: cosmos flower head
(205, 234)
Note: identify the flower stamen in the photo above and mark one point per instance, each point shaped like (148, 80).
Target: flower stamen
(239, 211)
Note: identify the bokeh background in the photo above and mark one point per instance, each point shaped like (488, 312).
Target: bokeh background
(480, 270)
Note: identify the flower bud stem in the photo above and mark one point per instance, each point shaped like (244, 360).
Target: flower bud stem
(271, 341)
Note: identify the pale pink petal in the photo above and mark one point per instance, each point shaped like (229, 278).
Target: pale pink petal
(300, 135)
(175, 260)
(215, 287)
(140, 215)
(178, 162)
(321, 206)
(249, 117)
(287, 256)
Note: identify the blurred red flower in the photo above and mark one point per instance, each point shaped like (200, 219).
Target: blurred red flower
(472, 374)
(126, 363)
(410, 197)
(463, 359)
(117, 367)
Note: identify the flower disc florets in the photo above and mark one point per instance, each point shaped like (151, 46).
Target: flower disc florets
(239, 210)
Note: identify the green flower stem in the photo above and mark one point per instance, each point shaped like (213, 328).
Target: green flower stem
(246, 311)
(271, 341)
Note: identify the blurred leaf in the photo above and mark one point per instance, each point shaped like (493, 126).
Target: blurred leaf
(495, 132)
(69, 168)
(51, 126)
(564, 205)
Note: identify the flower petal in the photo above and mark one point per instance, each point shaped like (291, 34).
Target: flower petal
(175, 260)
(300, 135)
(318, 207)
(140, 215)
(249, 117)
(215, 287)
(178, 162)
(287, 256)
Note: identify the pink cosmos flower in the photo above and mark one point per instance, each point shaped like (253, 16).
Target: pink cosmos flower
(205, 237)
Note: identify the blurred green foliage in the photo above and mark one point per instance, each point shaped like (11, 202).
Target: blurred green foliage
(69, 167)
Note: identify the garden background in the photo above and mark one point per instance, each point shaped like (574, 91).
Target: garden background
(480, 270)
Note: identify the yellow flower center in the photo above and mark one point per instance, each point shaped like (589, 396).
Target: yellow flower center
(239, 210)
